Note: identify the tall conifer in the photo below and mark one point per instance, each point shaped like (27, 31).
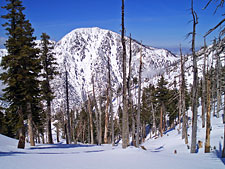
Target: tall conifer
(22, 67)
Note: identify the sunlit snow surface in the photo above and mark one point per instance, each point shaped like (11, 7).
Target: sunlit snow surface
(159, 154)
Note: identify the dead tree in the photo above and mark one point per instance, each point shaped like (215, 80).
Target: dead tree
(110, 102)
(106, 119)
(204, 88)
(130, 100)
(208, 115)
(125, 127)
(139, 100)
(96, 112)
(68, 111)
(90, 120)
(182, 101)
(218, 79)
(195, 83)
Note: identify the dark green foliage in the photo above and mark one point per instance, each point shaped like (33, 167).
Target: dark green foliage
(49, 64)
(148, 97)
(21, 65)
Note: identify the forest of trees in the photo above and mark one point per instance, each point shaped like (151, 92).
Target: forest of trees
(145, 109)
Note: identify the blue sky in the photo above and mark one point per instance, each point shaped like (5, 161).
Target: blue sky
(163, 23)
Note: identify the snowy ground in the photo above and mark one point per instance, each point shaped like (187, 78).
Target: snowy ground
(159, 154)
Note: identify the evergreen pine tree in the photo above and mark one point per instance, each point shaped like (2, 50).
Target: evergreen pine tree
(22, 67)
(49, 71)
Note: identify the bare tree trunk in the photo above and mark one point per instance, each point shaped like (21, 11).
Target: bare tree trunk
(183, 107)
(49, 127)
(72, 125)
(208, 121)
(83, 132)
(204, 88)
(139, 100)
(161, 121)
(125, 130)
(130, 101)
(30, 125)
(21, 143)
(179, 106)
(153, 120)
(96, 112)
(100, 120)
(218, 91)
(68, 111)
(223, 152)
(90, 117)
(43, 138)
(106, 120)
(57, 132)
(195, 83)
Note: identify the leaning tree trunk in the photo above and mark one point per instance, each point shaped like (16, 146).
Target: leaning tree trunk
(30, 125)
(139, 100)
(125, 129)
(195, 84)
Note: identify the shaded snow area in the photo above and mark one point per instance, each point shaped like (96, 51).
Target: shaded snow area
(159, 154)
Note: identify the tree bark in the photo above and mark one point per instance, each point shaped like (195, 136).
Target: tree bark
(21, 143)
(49, 127)
(106, 120)
(30, 125)
(153, 120)
(195, 83)
(100, 120)
(204, 88)
(125, 129)
(96, 112)
(68, 111)
(223, 152)
(139, 100)
(208, 119)
(90, 117)
(218, 86)
(161, 121)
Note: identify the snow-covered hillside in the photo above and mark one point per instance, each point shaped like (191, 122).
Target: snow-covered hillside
(159, 154)
(84, 54)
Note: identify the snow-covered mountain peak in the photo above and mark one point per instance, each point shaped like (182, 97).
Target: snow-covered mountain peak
(84, 53)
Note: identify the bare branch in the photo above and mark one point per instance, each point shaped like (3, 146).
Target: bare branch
(211, 30)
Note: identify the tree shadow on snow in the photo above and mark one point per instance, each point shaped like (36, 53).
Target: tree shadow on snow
(219, 153)
(51, 146)
(157, 150)
(60, 146)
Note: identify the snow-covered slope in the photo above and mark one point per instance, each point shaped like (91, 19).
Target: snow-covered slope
(84, 54)
(159, 154)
